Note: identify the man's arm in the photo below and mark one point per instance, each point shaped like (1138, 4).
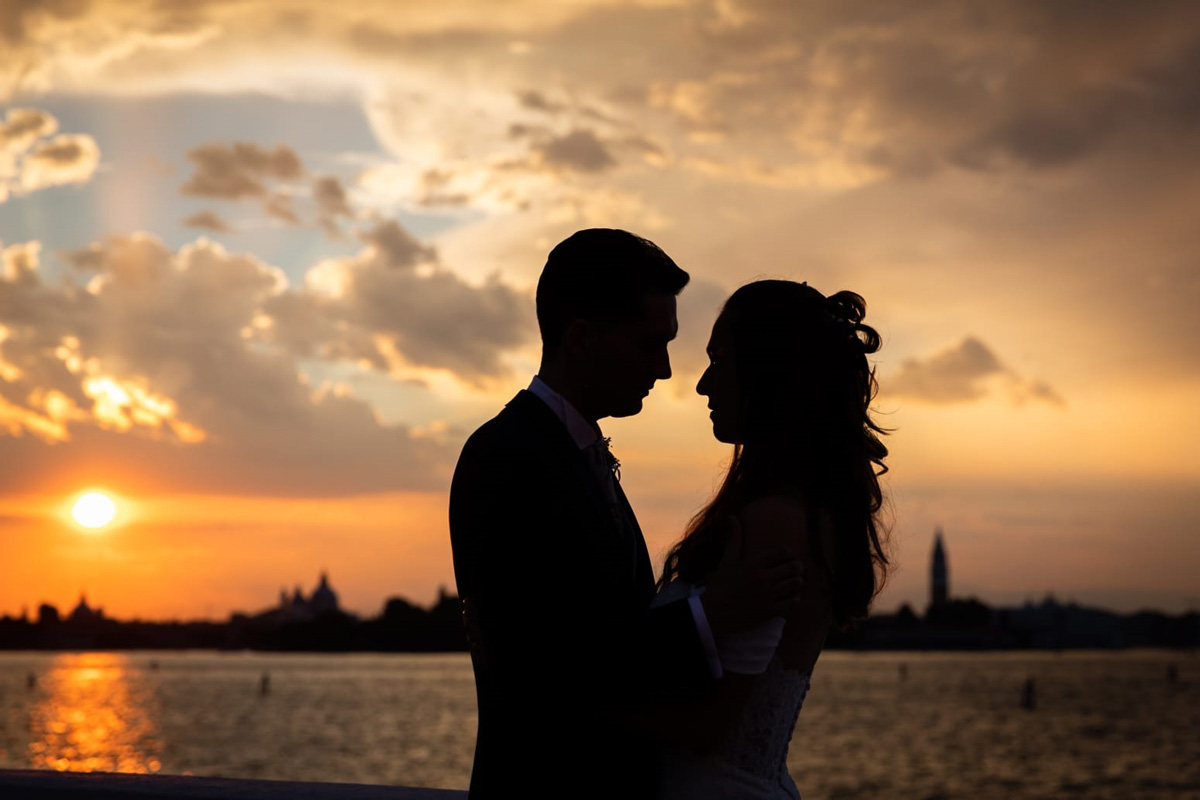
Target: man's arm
(549, 588)
(776, 534)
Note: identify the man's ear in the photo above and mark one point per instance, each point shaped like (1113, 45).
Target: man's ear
(580, 338)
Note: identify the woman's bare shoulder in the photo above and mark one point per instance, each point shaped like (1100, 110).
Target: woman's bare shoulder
(782, 507)
(775, 518)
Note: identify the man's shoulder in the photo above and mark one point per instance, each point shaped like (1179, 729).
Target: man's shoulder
(510, 450)
(513, 421)
(524, 424)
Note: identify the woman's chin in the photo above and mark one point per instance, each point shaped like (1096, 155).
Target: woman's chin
(721, 435)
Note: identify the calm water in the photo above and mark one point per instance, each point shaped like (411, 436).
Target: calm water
(874, 725)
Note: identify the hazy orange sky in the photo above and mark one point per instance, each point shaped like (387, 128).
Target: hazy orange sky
(266, 264)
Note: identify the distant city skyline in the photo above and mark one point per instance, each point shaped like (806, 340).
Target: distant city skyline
(316, 623)
(294, 605)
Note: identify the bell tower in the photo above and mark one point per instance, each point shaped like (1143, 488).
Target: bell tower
(939, 578)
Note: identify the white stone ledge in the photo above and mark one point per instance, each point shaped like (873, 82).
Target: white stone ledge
(46, 785)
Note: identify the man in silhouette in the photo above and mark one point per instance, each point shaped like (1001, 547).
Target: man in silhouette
(554, 573)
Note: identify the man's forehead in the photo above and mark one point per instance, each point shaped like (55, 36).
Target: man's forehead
(658, 313)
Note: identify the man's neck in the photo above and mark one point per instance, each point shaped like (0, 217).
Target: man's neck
(569, 392)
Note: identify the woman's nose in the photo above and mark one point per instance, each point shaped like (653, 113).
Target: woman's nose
(664, 368)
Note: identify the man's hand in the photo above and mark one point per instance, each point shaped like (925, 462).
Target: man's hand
(746, 590)
(470, 617)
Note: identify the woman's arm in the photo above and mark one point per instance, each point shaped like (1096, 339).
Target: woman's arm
(769, 524)
(783, 522)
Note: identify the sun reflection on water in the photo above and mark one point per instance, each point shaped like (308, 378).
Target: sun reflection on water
(93, 716)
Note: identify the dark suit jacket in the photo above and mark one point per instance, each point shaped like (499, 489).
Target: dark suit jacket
(556, 596)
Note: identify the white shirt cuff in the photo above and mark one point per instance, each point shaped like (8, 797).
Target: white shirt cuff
(706, 636)
(749, 651)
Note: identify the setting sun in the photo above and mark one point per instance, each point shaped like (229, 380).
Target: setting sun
(94, 510)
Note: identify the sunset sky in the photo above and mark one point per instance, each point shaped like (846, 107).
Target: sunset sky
(267, 264)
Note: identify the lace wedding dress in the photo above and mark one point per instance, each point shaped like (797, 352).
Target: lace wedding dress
(751, 763)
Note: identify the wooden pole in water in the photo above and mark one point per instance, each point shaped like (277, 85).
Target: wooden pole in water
(1029, 694)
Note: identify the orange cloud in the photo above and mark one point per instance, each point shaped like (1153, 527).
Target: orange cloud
(158, 374)
(962, 373)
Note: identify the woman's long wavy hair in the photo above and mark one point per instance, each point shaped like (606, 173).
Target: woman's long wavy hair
(801, 364)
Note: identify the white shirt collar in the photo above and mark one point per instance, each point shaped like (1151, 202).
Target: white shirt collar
(582, 431)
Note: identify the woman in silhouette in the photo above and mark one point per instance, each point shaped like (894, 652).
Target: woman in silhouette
(789, 386)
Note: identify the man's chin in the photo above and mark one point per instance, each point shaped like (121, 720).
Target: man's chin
(628, 410)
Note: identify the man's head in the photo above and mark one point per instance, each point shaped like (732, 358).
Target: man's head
(606, 310)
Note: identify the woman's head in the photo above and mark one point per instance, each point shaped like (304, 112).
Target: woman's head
(789, 385)
(786, 362)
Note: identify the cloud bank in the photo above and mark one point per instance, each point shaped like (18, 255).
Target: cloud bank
(963, 373)
(186, 367)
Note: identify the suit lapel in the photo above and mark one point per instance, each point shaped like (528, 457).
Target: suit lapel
(643, 573)
(563, 449)
(545, 425)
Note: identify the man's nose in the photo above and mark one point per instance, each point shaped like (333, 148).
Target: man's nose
(663, 370)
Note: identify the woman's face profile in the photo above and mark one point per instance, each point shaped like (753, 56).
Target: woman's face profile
(719, 384)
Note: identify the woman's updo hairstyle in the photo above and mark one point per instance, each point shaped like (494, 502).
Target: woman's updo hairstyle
(806, 388)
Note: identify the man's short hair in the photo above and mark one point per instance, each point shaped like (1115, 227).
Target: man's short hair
(601, 275)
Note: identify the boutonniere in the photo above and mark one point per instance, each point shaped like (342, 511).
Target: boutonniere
(614, 463)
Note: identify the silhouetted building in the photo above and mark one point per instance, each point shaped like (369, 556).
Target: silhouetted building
(47, 614)
(85, 613)
(939, 582)
(297, 608)
(324, 599)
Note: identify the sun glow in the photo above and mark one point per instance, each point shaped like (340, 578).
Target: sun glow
(94, 510)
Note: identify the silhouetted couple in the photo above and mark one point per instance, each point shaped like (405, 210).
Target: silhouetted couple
(593, 680)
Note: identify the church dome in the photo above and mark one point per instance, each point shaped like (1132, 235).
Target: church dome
(324, 598)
